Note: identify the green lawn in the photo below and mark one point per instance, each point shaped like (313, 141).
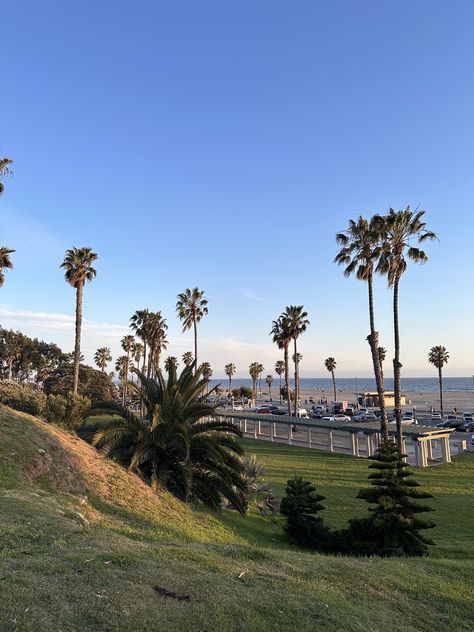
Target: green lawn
(83, 543)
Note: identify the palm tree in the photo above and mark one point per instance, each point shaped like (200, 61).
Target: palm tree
(298, 323)
(298, 358)
(282, 337)
(279, 370)
(187, 358)
(330, 364)
(121, 368)
(156, 338)
(191, 307)
(171, 361)
(359, 253)
(137, 352)
(5, 263)
(438, 357)
(127, 343)
(229, 370)
(254, 371)
(179, 444)
(206, 372)
(399, 229)
(102, 357)
(4, 171)
(260, 371)
(139, 323)
(269, 381)
(78, 266)
(382, 353)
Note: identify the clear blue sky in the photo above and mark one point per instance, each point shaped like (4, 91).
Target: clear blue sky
(222, 145)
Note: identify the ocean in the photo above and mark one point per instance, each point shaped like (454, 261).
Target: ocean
(409, 384)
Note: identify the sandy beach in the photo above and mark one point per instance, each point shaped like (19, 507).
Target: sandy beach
(462, 400)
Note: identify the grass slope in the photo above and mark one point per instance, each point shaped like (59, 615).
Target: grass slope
(82, 543)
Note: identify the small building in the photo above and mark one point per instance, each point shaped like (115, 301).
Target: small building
(371, 399)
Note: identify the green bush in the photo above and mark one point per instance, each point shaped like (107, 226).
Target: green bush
(55, 410)
(77, 407)
(22, 397)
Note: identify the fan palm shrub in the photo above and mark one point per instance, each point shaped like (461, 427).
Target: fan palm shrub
(177, 443)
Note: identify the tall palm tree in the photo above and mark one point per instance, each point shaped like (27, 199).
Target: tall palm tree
(137, 352)
(254, 371)
(187, 358)
(78, 269)
(298, 320)
(298, 358)
(360, 252)
(102, 357)
(139, 324)
(178, 444)
(121, 368)
(399, 230)
(229, 370)
(4, 171)
(330, 364)
(269, 381)
(191, 307)
(281, 336)
(279, 370)
(438, 357)
(127, 343)
(260, 371)
(156, 338)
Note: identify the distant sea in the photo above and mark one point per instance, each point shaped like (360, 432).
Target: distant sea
(409, 384)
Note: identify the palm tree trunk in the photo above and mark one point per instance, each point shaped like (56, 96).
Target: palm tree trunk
(297, 393)
(334, 384)
(77, 345)
(373, 340)
(144, 357)
(397, 366)
(287, 377)
(195, 345)
(230, 386)
(279, 375)
(440, 377)
(10, 369)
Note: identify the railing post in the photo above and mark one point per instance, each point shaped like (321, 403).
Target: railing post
(289, 434)
(331, 441)
(309, 436)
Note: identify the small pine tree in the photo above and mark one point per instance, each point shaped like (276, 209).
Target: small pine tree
(393, 528)
(300, 506)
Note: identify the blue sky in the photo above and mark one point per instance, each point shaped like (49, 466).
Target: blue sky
(223, 145)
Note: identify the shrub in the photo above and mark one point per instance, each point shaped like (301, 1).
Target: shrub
(300, 506)
(242, 391)
(22, 397)
(393, 528)
(55, 410)
(95, 385)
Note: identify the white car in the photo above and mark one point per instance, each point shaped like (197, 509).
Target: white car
(342, 417)
(328, 418)
(436, 417)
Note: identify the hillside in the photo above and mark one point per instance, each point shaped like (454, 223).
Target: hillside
(83, 543)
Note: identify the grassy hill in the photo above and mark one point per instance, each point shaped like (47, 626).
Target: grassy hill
(83, 543)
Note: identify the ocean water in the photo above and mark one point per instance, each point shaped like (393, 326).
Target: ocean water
(409, 384)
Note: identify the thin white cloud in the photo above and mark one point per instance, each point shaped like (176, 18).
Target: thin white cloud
(25, 233)
(253, 297)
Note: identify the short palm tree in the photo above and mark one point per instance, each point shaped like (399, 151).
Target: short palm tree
(187, 358)
(269, 381)
(229, 370)
(399, 229)
(330, 364)
(359, 254)
(179, 444)
(206, 372)
(78, 269)
(102, 357)
(4, 171)
(298, 323)
(191, 307)
(281, 336)
(279, 370)
(121, 365)
(254, 371)
(438, 357)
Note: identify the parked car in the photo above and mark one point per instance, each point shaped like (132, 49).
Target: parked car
(468, 423)
(359, 417)
(451, 422)
(435, 416)
(262, 410)
(342, 417)
(328, 418)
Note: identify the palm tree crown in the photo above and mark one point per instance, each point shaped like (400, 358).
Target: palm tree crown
(5, 262)
(438, 356)
(102, 357)
(4, 171)
(187, 358)
(78, 266)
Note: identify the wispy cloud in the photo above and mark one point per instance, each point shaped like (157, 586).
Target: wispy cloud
(26, 233)
(253, 297)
